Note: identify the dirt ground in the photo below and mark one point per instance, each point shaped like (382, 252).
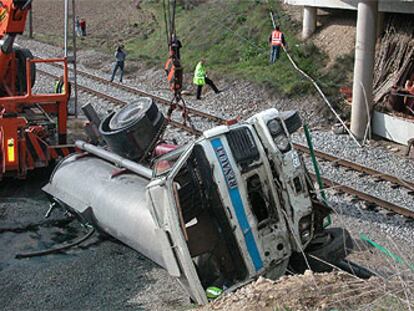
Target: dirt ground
(108, 20)
(333, 26)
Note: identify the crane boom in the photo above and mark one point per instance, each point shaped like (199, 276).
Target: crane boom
(13, 14)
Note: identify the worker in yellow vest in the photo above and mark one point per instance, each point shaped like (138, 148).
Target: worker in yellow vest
(59, 87)
(276, 40)
(200, 79)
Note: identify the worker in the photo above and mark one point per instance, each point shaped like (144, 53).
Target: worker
(276, 40)
(82, 24)
(409, 99)
(176, 45)
(120, 56)
(200, 79)
(77, 27)
(60, 86)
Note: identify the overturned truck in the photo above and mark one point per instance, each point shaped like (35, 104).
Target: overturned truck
(234, 204)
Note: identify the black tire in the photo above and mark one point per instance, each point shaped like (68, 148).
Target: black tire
(132, 113)
(132, 131)
(292, 120)
(331, 247)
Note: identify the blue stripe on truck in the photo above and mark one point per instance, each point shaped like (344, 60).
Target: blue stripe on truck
(237, 202)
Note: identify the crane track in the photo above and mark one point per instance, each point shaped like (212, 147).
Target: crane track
(304, 149)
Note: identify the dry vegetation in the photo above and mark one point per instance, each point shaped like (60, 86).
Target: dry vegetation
(395, 56)
(392, 289)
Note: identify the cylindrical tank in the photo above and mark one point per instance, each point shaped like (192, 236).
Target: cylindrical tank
(133, 130)
(114, 200)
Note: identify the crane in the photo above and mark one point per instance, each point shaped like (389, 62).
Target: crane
(33, 127)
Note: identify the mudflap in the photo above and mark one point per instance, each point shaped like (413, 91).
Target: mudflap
(324, 251)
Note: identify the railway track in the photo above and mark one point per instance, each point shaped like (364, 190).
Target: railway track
(138, 92)
(358, 167)
(120, 102)
(366, 197)
(303, 149)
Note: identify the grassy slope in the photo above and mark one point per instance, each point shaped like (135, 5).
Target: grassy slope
(233, 35)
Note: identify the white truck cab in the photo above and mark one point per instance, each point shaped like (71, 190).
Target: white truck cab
(234, 204)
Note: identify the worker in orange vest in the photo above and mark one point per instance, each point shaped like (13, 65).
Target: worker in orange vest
(276, 40)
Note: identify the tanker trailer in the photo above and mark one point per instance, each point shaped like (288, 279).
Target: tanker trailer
(230, 206)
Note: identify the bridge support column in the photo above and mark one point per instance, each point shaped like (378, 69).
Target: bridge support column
(309, 21)
(364, 66)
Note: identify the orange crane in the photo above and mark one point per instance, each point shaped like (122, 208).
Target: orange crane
(33, 127)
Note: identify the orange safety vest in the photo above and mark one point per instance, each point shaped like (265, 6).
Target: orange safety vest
(276, 38)
(174, 75)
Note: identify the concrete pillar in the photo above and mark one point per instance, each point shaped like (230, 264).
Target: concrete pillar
(364, 66)
(380, 23)
(309, 21)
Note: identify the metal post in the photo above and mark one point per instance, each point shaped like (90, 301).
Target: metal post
(116, 159)
(328, 219)
(70, 51)
(31, 23)
(66, 28)
(75, 74)
(309, 21)
(364, 66)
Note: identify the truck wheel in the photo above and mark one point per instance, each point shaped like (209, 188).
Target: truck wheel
(132, 131)
(292, 120)
(331, 247)
(124, 118)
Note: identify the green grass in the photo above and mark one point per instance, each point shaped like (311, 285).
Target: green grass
(232, 36)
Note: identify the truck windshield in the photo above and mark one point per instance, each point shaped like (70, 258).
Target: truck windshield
(166, 162)
(209, 235)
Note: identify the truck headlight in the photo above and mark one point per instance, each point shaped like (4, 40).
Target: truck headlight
(275, 127)
(282, 142)
(279, 137)
(305, 228)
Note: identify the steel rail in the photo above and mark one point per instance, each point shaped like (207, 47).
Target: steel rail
(123, 103)
(133, 90)
(367, 197)
(362, 195)
(358, 167)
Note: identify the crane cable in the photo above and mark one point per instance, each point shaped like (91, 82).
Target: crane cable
(169, 18)
(304, 74)
(173, 66)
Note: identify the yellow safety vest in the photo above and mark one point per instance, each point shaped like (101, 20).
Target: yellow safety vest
(200, 75)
